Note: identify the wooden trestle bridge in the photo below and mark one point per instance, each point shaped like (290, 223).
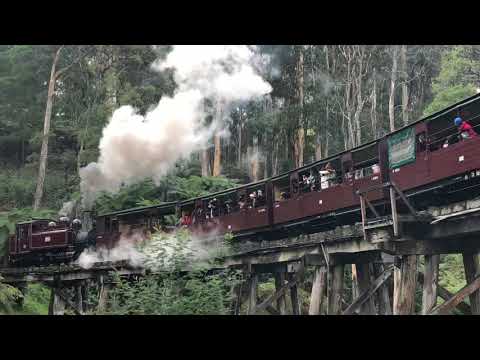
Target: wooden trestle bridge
(384, 253)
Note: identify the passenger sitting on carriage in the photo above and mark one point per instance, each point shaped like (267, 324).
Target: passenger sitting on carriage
(305, 183)
(284, 195)
(260, 198)
(376, 169)
(186, 219)
(464, 128)
(197, 216)
(228, 206)
(327, 176)
(241, 202)
(253, 200)
(311, 182)
(212, 205)
(349, 175)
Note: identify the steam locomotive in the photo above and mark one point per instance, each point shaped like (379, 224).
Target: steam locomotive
(41, 241)
(427, 161)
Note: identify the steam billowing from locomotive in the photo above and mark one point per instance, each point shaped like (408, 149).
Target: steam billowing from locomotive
(135, 147)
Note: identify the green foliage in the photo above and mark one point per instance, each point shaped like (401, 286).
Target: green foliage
(193, 186)
(36, 300)
(446, 97)
(452, 273)
(8, 297)
(171, 188)
(169, 290)
(18, 186)
(456, 80)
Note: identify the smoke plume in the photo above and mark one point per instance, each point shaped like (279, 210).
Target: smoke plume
(135, 147)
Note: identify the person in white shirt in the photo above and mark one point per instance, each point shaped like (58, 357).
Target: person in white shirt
(327, 174)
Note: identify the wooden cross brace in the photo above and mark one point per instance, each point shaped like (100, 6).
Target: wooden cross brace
(368, 293)
(293, 281)
(446, 295)
(456, 299)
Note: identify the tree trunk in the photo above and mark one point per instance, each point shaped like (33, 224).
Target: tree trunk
(46, 131)
(239, 150)
(205, 162)
(318, 146)
(404, 73)
(275, 169)
(299, 143)
(373, 114)
(218, 155)
(393, 79)
(254, 161)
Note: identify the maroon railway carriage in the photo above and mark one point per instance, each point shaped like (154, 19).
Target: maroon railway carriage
(419, 157)
(110, 227)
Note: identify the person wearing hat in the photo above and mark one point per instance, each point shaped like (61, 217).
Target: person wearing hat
(464, 128)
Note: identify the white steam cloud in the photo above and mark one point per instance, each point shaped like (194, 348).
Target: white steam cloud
(135, 147)
(124, 251)
(161, 252)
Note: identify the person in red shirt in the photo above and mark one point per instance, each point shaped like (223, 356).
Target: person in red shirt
(186, 219)
(465, 129)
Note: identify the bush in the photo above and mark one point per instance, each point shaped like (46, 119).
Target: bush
(168, 289)
(8, 297)
(36, 300)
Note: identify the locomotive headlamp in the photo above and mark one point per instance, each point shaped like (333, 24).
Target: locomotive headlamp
(64, 219)
(76, 224)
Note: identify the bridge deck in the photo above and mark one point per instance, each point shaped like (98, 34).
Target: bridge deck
(66, 273)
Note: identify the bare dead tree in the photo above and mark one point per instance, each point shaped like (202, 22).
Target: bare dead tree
(54, 77)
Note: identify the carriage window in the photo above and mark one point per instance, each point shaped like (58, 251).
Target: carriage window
(366, 162)
(308, 180)
(213, 207)
(100, 225)
(421, 142)
(186, 214)
(442, 130)
(107, 225)
(22, 232)
(328, 174)
(281, 189)
(256, 196)
(114, 225)
(198, 214)
(227, 203)
(442, 133)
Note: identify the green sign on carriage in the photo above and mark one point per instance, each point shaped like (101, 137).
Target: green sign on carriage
(401, 148)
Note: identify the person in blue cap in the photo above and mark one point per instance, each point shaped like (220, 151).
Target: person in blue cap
(464, 128)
